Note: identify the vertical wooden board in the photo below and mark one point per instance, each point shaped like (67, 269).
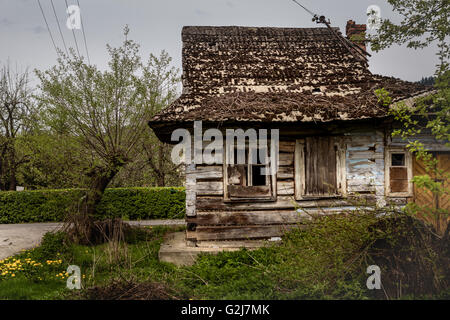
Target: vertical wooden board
(226, 196)
(190, 190)
(444, 199)
(422, 196)
(341, 174)
(332, 166)
(320, 166)
(310, 165)
(299, 169)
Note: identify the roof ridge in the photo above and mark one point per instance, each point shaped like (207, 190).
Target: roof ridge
(230, 30)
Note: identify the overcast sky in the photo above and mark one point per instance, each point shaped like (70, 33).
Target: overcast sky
(156, 25)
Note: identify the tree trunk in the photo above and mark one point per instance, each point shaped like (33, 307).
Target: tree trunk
(160, 180)
(161, 174)
(12, 180)
(100, 179)
(12, 170)
(83, 227)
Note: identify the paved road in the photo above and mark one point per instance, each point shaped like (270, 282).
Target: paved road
(16, 237)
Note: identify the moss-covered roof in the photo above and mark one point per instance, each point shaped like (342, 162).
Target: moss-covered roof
(276, 75)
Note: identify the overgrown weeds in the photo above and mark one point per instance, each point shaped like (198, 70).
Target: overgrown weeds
(119, 289)
(327, 260)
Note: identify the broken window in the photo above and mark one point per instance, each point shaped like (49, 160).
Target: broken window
(319, 167)
(245, 178)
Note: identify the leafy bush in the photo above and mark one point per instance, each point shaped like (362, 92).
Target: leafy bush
(126, 203)
(52, 245)
(324, 261)
(329, 260)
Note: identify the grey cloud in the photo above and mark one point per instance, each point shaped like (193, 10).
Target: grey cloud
(5, 22)
(200, 12)
(39, 29)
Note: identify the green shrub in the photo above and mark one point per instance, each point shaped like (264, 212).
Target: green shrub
(128, 203)
(52, 246)
(323, 261)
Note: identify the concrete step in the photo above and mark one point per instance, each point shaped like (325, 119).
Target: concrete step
(175, 250)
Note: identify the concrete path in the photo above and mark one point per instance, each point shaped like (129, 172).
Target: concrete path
(17, 237)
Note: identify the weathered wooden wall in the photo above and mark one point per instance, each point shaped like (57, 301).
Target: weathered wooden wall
(365, 162)
(217, 219)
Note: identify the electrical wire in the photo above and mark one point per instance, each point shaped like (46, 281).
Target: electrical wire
(59, 27)
(84, 35)
(306, 9)
(48, 28)
(73, 33)
(347, 44)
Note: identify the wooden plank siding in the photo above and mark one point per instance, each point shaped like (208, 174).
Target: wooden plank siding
(361, 153)
(211, 203)
(217, 219)
(285, 174)
(365, 163)
(240, 232)
(249, 217)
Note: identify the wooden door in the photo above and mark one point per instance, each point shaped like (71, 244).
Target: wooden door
(320, 163)
(440, 204)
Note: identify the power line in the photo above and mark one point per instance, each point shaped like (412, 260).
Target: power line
(59, 27)
(347, 44)
(309, 11)
(84, 35)
(73, 32)
(48, 28)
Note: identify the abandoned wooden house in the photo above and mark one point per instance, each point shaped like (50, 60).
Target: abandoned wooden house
(314, 85)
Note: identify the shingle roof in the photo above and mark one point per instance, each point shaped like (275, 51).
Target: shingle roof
(276, 74)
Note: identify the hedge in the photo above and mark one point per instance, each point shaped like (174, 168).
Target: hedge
(126, 203)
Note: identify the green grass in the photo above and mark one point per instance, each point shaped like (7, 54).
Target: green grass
(98, 264)
(327, 261)
(22, 289)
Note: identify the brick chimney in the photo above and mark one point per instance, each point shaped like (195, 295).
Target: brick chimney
(356, 33)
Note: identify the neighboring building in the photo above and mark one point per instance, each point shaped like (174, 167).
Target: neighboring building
(335, 137)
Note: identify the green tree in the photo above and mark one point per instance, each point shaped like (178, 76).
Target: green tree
(55, 161)
(17, 110)
(423, 23)
(153, 165)
(107, 111)
(157, 154)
